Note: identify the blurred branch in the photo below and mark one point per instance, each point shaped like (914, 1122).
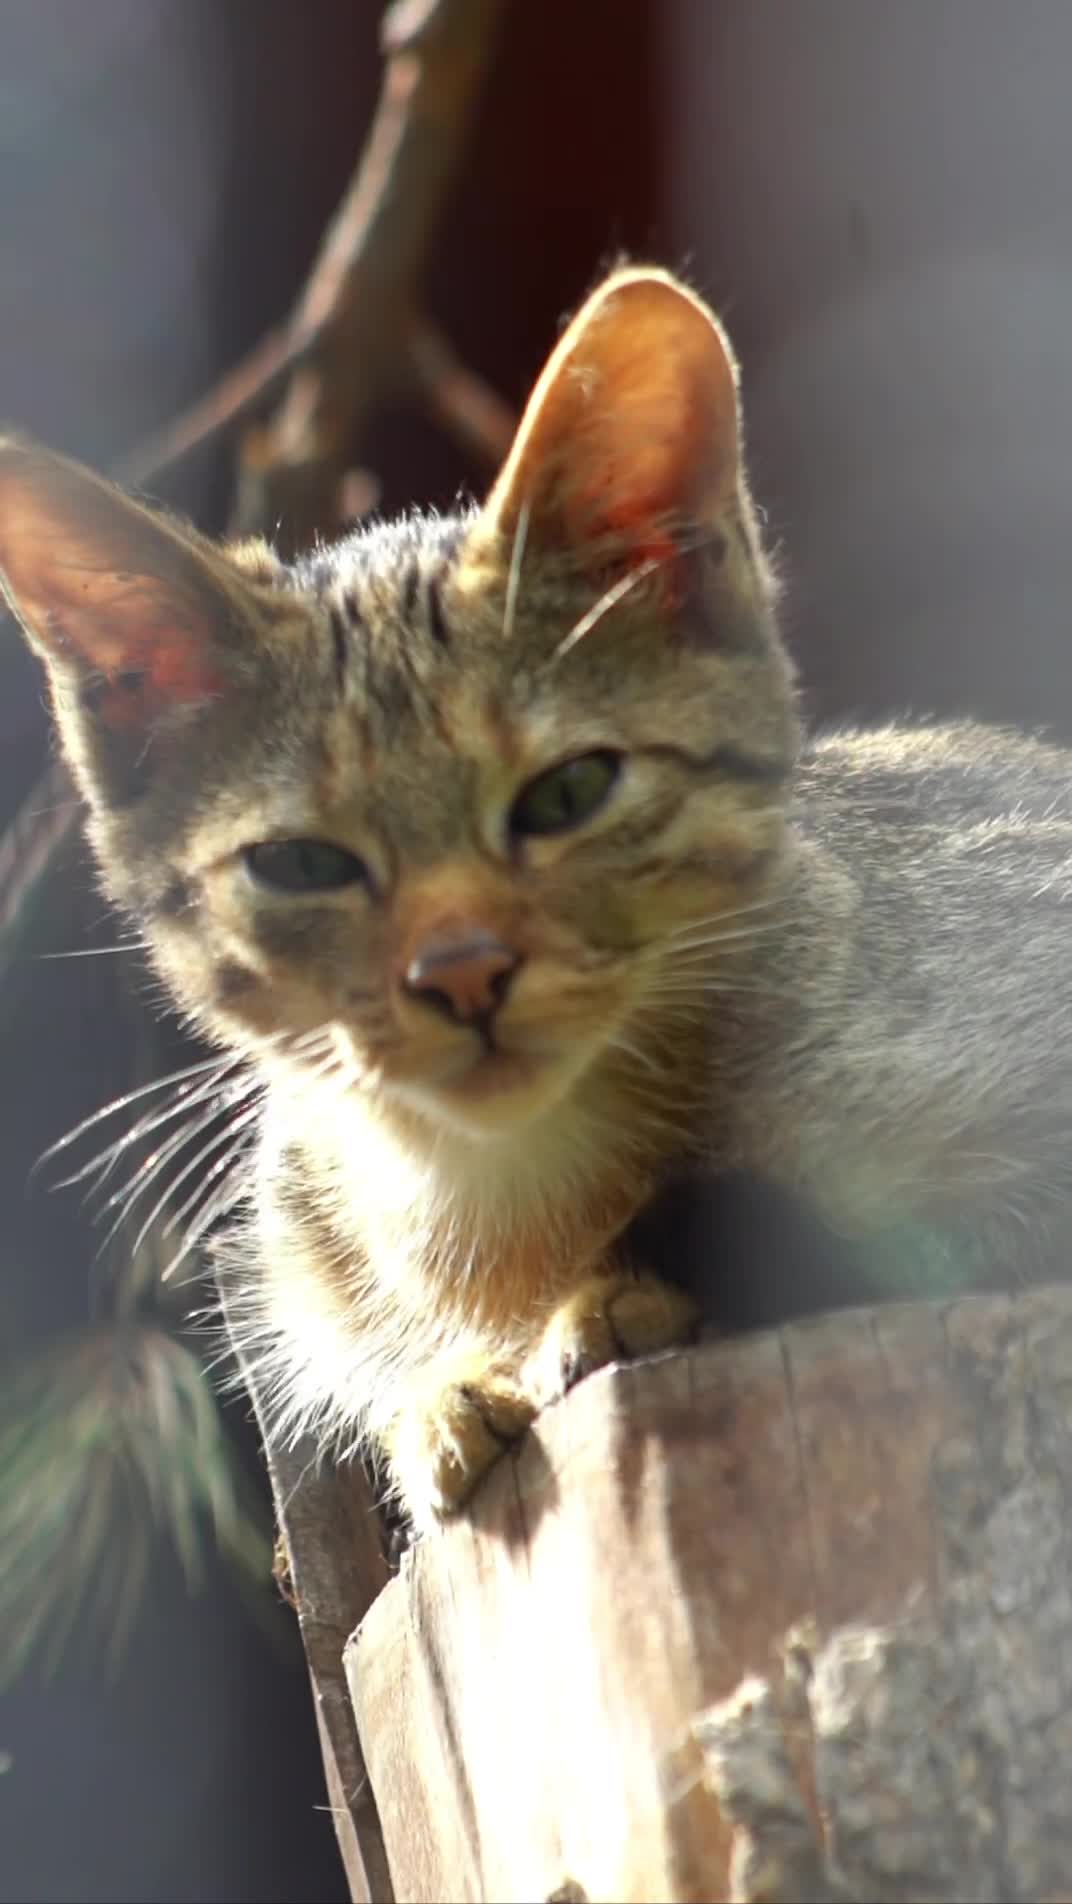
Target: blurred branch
(359, 301)
(463, 403)
(250, 387)
(355, 339)
(116, 1428)
(113, 1435)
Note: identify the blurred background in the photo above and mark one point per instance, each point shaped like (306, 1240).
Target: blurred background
(875, 197)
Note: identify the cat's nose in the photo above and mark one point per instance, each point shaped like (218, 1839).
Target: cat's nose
(465, 975)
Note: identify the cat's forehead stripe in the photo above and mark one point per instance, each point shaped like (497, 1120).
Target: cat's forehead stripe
(411, 581)
(340, 644)
(387, 630)
(437, 621)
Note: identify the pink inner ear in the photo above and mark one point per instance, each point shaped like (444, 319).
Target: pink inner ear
(644, 468)
(106, 591)
(162, 676)
(637, 523)
(634, 508)
(152, 655)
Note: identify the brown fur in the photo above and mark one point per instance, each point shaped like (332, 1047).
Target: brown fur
(739, 959)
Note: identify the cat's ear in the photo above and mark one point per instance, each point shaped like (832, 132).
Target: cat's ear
(631, 435)
(130, 613)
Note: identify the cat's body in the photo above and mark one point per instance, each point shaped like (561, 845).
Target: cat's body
(887, 1043)
(490, 843)
(922, 1076)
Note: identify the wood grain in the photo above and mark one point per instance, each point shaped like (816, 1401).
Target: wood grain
(787, 1617)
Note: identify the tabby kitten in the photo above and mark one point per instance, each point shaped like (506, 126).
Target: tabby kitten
(489, 844)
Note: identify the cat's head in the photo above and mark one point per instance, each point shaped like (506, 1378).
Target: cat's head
(465, 791)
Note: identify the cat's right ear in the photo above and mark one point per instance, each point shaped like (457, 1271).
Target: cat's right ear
(132, 615)
(631, 437)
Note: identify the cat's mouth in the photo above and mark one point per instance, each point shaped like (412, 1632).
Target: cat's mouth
(496, 1070)
(494, 1085)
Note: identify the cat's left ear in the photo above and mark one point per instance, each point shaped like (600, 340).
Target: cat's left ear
(131, 614)
(632, 433)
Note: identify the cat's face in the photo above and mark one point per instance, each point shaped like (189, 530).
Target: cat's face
(467, 796)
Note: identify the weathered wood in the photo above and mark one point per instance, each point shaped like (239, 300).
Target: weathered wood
(336, 1567)
(780, 1618)
(335, 1564)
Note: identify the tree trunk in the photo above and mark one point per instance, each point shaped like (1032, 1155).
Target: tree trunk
(780, 1618)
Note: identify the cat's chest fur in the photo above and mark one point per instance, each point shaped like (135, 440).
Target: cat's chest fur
(489, 848)
(367, 1258)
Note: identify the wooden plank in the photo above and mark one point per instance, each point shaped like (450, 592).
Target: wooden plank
(335, 1559)
(783, 1617)
(337, 1567)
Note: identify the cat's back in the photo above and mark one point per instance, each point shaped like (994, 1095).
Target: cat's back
(951, 774)
(957, 809)
(940, 860)
(923, 957)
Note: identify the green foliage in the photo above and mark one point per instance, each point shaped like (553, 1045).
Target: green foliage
(107, 1439)
(111, 1439)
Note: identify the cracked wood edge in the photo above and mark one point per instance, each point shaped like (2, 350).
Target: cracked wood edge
(783, 1617)
(336, 1567)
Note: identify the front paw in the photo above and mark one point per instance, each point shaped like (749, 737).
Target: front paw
(610, 1318)
(442, 1444)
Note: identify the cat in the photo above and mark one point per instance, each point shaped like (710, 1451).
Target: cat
(492, 846)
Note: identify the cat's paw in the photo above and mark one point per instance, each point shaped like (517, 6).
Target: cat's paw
(440, 1446)
(610, 1318)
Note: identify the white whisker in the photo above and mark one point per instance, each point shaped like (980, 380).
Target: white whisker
(132, 1097)
(619, 590)
(726, 919)
(231, 1192)
(207, 1150)
(642, 1057)
(97, 951)
(131, 1193)
(191, 1086)
(187, 1098)
(513, 580)
(222, 1165)
(609, 599)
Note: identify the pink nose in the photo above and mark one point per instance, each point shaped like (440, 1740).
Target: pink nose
(465, 974)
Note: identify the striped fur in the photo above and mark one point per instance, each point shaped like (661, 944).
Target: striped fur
(844, 968)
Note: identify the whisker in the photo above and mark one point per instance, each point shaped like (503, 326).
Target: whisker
(191, 1086)
(702, 941)
(308, 1040)
(229, 1194)
(513, 580)
(695, 951)
(645, 1058)
(222, 1165)
(97, 951)
(727, 916)
(132, 1097)
(621, 588)
(207, 1150)
(326, 1071)
(187, 1098)
(694, 974)
(609, 599)
(129, 1193)
(324, 1061)
(698, 988)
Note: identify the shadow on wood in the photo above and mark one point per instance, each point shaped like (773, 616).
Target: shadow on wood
(781, 1618)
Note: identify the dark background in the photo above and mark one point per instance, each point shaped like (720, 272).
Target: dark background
(876, 197)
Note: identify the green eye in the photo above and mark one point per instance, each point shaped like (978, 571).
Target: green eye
(565, 796)
(297, 866)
